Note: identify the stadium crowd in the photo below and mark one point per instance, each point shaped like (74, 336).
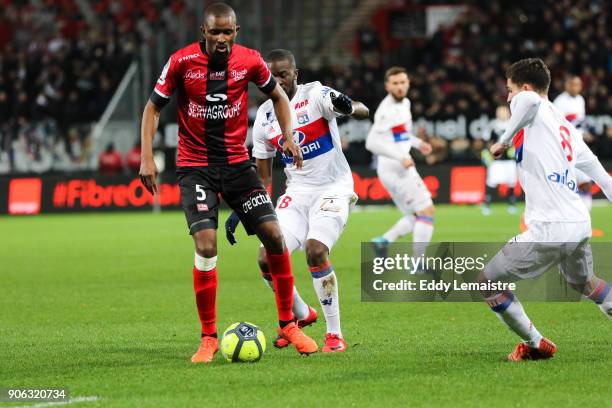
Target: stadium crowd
(460, 69)
(58, 72)
(55, 78)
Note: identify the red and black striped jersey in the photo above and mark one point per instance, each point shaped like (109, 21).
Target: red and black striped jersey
(212, 102)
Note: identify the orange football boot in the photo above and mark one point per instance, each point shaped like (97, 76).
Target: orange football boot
(545, 350)
(334, 344)
(280, 342)
(208, 347)
(294, 335)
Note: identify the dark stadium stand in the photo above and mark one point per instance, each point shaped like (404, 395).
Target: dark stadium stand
(60, 64)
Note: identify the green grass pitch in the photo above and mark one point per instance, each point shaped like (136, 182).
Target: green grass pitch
(103, 304)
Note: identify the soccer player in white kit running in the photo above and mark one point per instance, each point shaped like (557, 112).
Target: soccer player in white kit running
(391, 138)
(571, 104)
(548, 150)
(315, 207)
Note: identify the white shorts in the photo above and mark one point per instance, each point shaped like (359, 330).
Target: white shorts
(313, 215)
(542, 246)
(502, 172)
(407, 189)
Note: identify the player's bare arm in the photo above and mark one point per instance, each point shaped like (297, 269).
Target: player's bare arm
(148, 128)
(283, 115)
(264, 171)
(360, 111)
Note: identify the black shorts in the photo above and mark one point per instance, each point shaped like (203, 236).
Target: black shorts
(238, 185)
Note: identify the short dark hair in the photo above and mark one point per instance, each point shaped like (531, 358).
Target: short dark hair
(281, 55)
(394, 71)
(532, 71)
(219, 10)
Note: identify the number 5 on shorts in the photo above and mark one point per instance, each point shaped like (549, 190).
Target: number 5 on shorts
(200, 193)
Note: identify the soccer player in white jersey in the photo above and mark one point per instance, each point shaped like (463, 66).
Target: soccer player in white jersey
(315, 207)
(391, 138)
(548, 150)
(571, 104)
(501, 171)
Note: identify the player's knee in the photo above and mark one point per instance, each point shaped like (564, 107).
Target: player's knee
(272, 239)
(428, 212)
(262, 260)
(206, 248)
(483, 279)
(316, 252)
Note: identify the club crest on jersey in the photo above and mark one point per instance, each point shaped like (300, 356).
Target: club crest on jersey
(303, 118)
(216, 75)
(298, 137)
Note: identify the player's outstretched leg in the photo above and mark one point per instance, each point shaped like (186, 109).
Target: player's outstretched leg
(510, 311)
(401, 228)
(423, 231)
(326, 286)
(304, 314)
(279, 265)
(205, 288)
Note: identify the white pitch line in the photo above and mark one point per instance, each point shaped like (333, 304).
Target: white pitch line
(54, 404)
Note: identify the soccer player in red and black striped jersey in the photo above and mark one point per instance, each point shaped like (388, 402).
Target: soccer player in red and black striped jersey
(211, 80)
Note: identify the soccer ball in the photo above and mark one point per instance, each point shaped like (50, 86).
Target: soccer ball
(243, 342)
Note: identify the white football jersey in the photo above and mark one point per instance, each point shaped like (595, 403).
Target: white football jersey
(393, 127)
(316, 132)
(572, 107)
(546, 151)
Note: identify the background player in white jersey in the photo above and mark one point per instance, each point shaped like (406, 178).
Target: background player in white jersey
(571, 104)
(548, 150)
(391, 138)
(315, 207)
(501, 171)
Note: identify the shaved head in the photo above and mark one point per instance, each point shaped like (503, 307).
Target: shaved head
(219, 30)
(281, 55)
(219, 10)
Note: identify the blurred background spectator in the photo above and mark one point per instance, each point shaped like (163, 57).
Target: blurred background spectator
(110, 162)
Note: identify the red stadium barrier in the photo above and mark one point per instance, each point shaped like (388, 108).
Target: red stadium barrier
(69, 193)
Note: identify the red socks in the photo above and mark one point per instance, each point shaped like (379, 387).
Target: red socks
(205, 288)
(280, 270)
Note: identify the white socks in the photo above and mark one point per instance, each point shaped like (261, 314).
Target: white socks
(421, 236)
(511, 312)
(326, 286)
(402, 227)
(602, 296)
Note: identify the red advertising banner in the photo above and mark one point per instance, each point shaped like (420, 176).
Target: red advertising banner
(82, 194)
(467, 184)
(66, 193)
(24, 196)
